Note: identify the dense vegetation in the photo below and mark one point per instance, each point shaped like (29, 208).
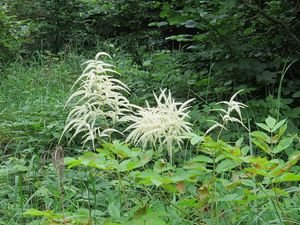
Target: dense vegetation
(197, 122)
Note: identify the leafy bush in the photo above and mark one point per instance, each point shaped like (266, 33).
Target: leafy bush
(249, 180)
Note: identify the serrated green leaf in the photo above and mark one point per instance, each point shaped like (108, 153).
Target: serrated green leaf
(180, 37)
(278, 125)
(262, 145)
(114, 210)
(202, 158)
(282, 130)
(296, 94)
(196, 139)
(230, 197)
(157, 181)
(256, 171)
(283, 144)
(261, 136)
(187, 202)
(287, 177)
(190, 24)
(239, 142)
(48, 214)
(270, 121)
(226, 165)
(263, 126)
(158, 24)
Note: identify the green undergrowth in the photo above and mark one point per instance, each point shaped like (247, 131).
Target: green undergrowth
(32, 100)
(247, 174)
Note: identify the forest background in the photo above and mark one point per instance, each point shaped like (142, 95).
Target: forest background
(206, 50)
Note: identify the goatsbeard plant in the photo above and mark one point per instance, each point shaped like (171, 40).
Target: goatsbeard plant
(165, 124)
(226, 115)
(98, 100)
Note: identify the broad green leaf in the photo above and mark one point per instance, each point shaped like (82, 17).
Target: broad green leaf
(293, 160)
(74, 163)
(245, 150)
(263, 126)
(280, 191)
(283, 144)
(261, 135)
(48, 214)
(282, 130)
(114, 210)
(20, 168)
(190, 165)
(239, 142)
(226, 165)
(187, 202)
(287, 177)
(296, 94)
(149, 177)
(220, 157)
(122, 150)
(88, 157)
(256, 171)
(190, 24)
(230, 197)
(145, 158)
(262, 145)
(183, 175)
(278, 125)
(157, 181)
(158, 24)
(196, 139)
(68, 160)
(161, 166)
(165, 10)
(180, 37)
(270, 121)
(202, 158)
(176, 18)
(287, 166)
(126, 165)
(150, 218)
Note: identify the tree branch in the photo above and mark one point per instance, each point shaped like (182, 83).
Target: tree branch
(276, 22)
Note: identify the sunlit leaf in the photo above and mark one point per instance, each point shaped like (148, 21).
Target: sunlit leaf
(286, 177)
(226, 165)
(283, 144)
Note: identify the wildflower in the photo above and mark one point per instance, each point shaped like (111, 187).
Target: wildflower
(163, 124)
(232, 106)
(98, 99)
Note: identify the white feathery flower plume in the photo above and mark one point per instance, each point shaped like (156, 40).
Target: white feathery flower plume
(232, 106)
(163, 124)
(97, 99)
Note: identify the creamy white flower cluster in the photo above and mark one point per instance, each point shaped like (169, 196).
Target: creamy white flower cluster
(99, 98)
(99, 101)
(164, 124)
(226, 115)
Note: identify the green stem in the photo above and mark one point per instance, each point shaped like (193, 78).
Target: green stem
(120, 191)
(285, 69)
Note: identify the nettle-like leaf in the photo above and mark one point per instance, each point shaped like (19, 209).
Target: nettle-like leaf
(264, 141)
(98, 100)
(114, 156)
(271, 124)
